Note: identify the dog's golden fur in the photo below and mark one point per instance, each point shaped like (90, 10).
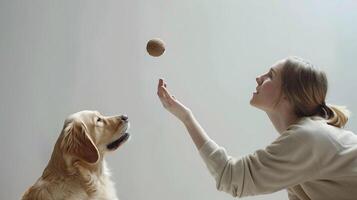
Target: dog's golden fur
(77, 170)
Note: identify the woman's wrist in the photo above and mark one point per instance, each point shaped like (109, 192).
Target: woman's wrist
(188, 118)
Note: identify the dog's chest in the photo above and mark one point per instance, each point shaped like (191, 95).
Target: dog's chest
(106, 189)
(103, 190)
(100, 188)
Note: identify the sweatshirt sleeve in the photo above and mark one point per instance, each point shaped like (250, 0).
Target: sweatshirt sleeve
(292, 195)
(288, 161)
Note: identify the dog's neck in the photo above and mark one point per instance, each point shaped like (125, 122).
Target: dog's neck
(63, 166)
(66, 165)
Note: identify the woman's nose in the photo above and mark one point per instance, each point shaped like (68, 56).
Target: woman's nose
(257, 79)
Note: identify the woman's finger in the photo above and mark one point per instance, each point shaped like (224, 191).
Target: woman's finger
(169, 98)
(159, 92)
(165, 97)
(161, 83)
(165, 91)
(161, 95)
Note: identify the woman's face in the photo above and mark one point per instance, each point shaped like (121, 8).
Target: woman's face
(268, 90)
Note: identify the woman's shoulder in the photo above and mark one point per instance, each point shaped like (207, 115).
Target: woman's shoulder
(309, 128)
(316, 130)
(301, 138)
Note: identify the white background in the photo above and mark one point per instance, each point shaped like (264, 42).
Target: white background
(60, 57)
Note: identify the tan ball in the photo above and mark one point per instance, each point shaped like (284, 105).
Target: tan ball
(155, 47)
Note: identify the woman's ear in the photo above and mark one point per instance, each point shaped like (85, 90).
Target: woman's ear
(78, 143)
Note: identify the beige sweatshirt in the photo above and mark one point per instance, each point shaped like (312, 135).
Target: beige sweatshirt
(311, 159)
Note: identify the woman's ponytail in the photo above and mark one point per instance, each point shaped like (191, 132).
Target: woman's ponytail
(337, 115)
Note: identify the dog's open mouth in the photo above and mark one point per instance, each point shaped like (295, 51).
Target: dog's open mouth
(114, 145)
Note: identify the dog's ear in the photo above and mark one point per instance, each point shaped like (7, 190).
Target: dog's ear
(77, 142)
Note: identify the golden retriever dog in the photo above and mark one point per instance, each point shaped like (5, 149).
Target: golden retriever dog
(77, 169)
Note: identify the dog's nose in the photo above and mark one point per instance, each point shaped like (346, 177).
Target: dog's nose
(124, 118)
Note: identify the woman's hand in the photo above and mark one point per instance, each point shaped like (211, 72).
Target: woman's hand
(171, 104)
(198, 135)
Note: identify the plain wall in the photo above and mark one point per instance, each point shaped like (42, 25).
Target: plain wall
(60, 57)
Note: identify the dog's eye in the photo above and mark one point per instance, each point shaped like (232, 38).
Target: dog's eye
(99, 119)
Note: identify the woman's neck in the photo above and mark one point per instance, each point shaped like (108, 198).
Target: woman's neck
(282, 121)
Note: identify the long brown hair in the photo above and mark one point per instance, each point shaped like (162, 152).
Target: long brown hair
(306, 87)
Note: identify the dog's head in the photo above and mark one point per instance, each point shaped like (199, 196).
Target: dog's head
(87, 135)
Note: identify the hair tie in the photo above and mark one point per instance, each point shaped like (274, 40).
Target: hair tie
(327, 111)
(323, 104)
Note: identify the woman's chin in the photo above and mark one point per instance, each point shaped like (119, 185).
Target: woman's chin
(254, 104)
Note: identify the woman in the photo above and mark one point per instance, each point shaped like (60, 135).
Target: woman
(313, 158)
